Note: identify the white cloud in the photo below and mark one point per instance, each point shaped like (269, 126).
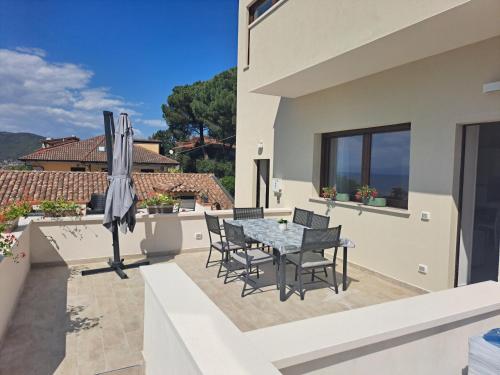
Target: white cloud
(32, 51)
(51, 99)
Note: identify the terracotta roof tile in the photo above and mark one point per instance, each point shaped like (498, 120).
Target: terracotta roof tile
(88, 151)
(78, 186)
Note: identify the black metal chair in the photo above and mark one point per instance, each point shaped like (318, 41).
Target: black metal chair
(245, 256)
(302, 217)
(308, 260)
(222, 245)
(97, 204)
(319, 221)
(248, 213)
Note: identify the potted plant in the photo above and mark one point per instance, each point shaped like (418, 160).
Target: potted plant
(60, 208)
(158, 203)
(282, 224)
(204, 196)
(9, 217)
(7, 242)
(329, 193)
(369, 196)
(343, 197)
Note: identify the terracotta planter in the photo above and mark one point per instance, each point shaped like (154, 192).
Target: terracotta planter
(68, 213)
(160, 209)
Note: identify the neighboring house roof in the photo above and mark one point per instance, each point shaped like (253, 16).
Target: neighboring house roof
(52, 142)
(195, 142)
(78, 186)
(87, 151)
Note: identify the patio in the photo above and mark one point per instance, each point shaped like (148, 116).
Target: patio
(68, 324)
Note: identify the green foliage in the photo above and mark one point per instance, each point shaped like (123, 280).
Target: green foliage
(218, 168)
(15, 210)
(228, 183)
(158, 199)
(200, 109)
(59, 208)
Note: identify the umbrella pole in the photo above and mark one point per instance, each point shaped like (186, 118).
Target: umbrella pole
(116, 264)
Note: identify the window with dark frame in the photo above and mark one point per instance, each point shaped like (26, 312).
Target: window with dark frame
(379, 157)
(258, 8)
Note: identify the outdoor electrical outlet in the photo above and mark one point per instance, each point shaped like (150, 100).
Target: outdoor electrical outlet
(198, 236)
(425, 215)
(422, 268)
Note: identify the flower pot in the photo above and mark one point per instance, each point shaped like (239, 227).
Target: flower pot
(343, 197)
(282, 226)
(160, 209)
(377, 202)
(66, 213)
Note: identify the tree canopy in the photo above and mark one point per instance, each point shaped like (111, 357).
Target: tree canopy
(200, 109)
(204, 108)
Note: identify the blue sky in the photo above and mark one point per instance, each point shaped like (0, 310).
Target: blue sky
(63, 62)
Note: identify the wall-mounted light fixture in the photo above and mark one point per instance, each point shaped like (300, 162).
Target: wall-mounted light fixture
(260, 147)
(491, 87)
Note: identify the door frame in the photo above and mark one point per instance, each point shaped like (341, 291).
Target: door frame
(460, 193)
(257, 190)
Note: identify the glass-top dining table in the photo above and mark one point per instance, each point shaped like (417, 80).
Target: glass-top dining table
(267, 232)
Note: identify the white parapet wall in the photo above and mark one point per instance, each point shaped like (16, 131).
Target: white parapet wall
(12, 278)
(186, 333)
(84, 239)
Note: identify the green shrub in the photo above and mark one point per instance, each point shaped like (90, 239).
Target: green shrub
(228, 183)
(218, 168)
(158, 199)
(59, 208)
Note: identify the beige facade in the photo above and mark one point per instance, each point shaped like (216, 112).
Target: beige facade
(384, 82)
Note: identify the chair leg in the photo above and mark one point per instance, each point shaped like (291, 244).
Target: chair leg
(247, 272)
(296, 271)
(220, 265)
(312, 275)
(258, 275)
(300, 285)
(227, 272)
(208, 260)
(326, 273)
(335, 280)
(277, 276)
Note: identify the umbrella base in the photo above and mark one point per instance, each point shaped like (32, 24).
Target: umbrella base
(117, 267)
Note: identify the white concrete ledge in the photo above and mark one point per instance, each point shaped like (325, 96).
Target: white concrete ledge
(312, 339)
(186, 333)
(363, 207)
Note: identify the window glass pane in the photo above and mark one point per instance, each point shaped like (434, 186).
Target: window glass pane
(390, 164)
(261, 8)
(345, 163)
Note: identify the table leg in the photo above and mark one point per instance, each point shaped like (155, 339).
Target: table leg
(282, 279)
(344, 269)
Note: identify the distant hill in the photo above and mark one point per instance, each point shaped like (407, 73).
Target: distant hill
(14, 145)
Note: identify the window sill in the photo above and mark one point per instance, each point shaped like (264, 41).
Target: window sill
(364, 208)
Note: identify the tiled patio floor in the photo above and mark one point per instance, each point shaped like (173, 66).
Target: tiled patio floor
(68, 324)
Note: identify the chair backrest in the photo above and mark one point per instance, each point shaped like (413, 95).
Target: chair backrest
(248, 213)
(213, 224)
(320, 239)
(235, 234)
(320, 221)
(97, 203)
(302, 217)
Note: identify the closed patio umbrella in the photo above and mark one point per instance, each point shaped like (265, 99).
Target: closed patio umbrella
(121, 198)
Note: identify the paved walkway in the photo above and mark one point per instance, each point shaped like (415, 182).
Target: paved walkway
(69, 324)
